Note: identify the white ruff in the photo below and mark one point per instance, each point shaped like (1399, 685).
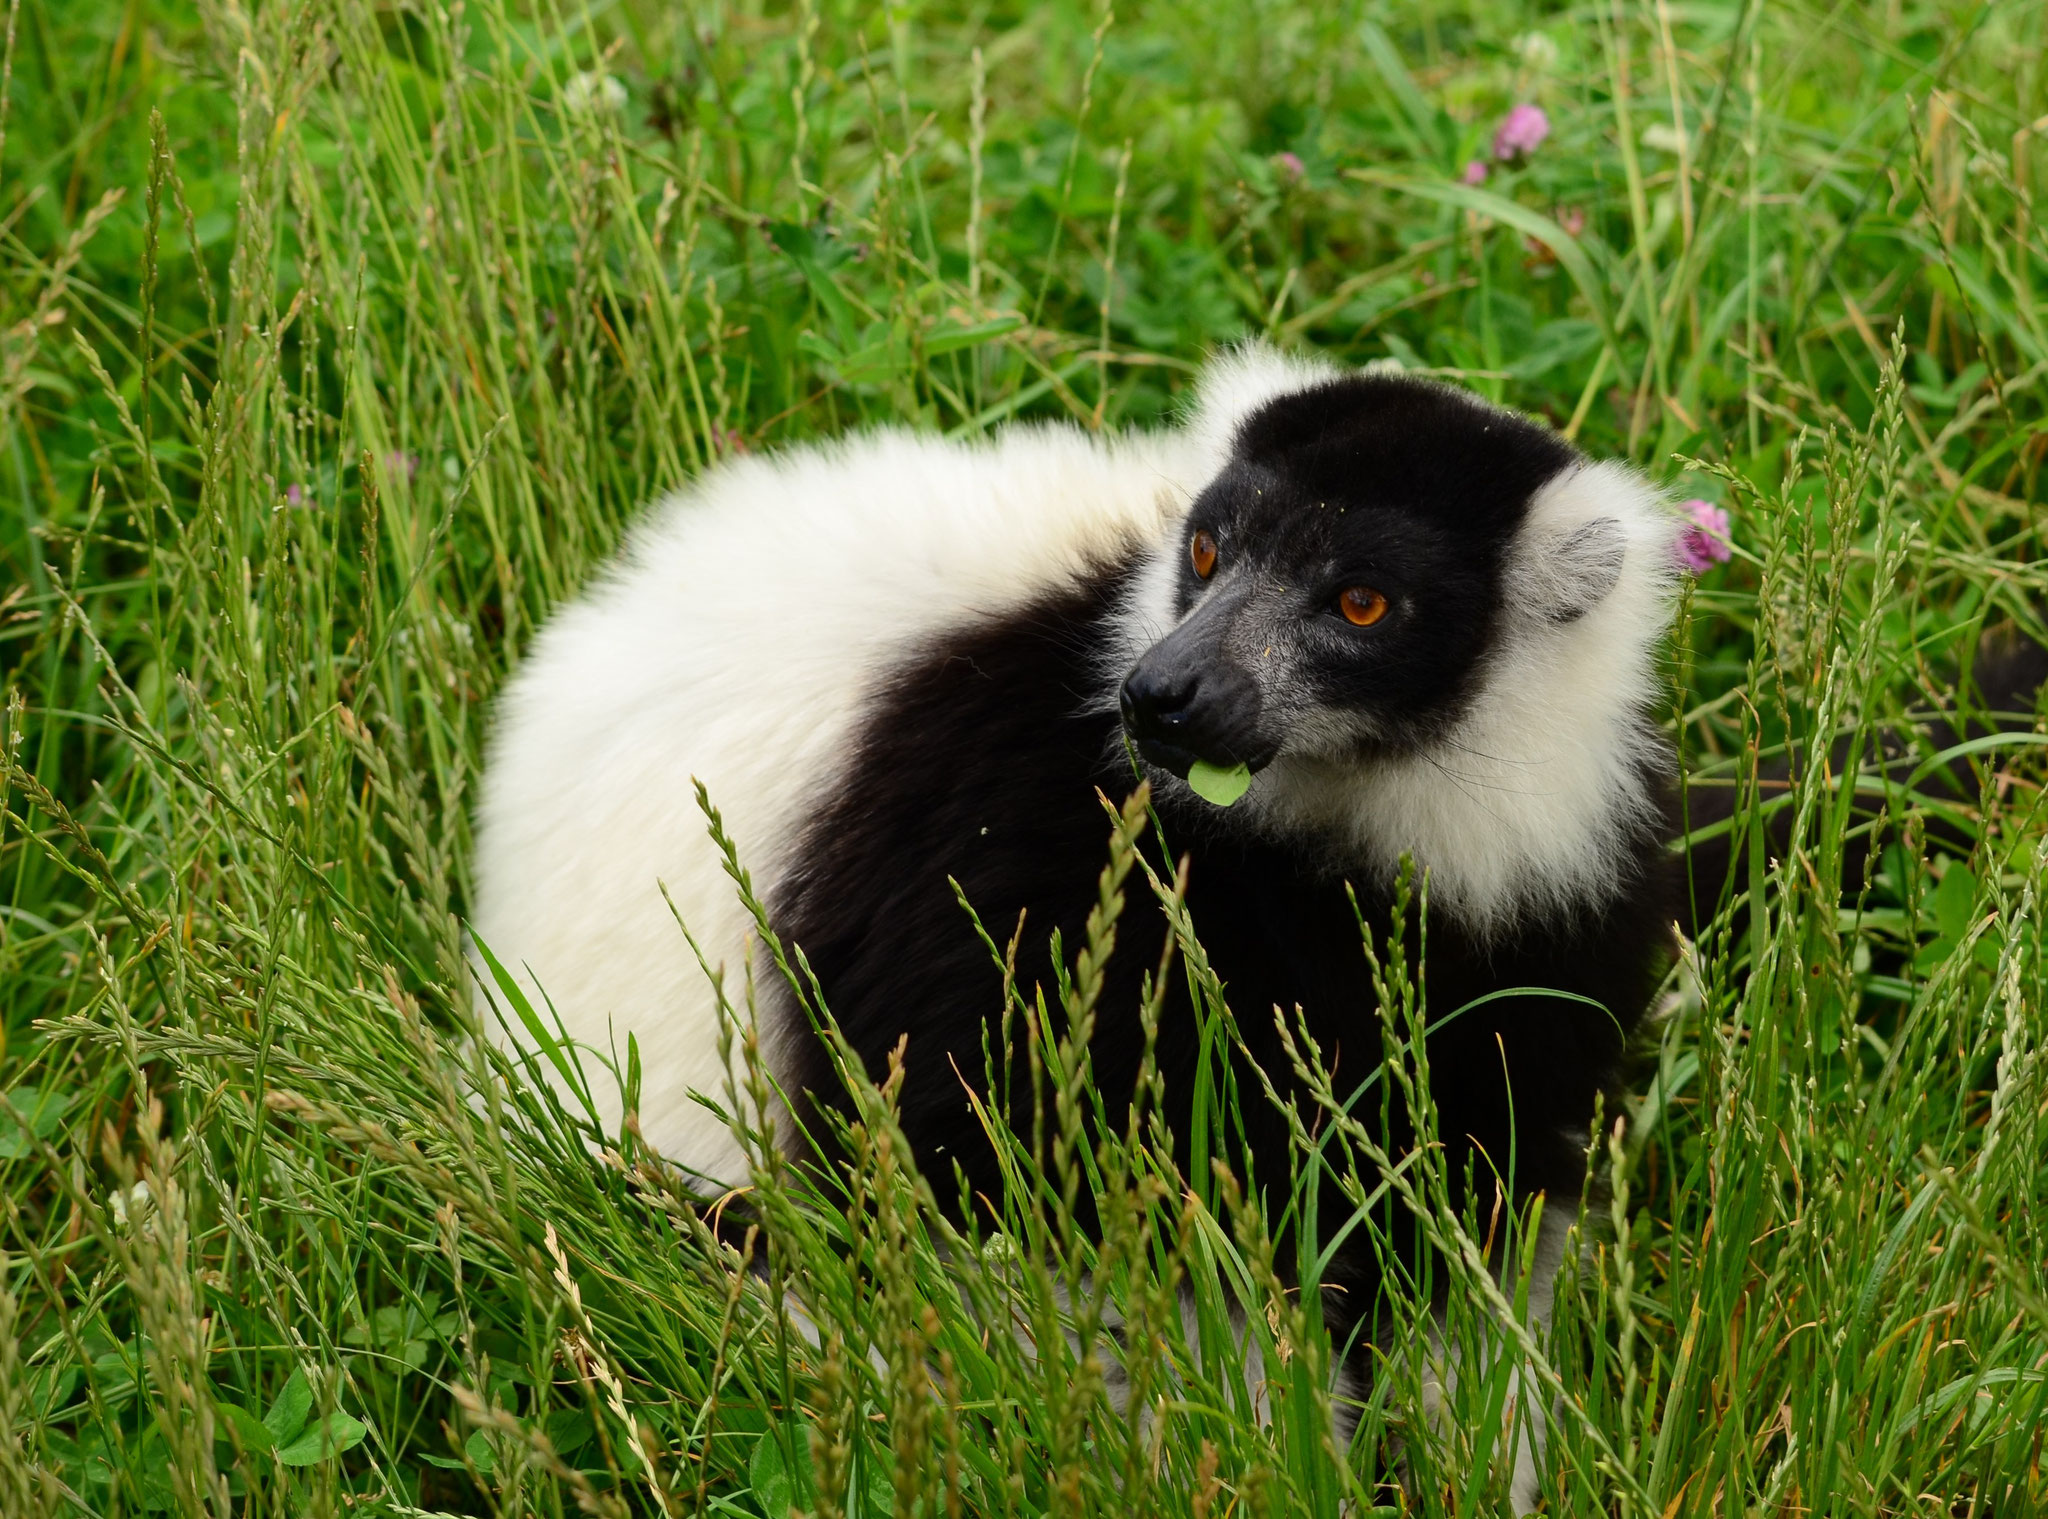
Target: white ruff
(1523, 808)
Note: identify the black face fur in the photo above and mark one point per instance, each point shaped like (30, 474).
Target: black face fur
(1403, 488)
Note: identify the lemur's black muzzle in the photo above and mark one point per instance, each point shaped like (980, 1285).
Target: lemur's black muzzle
(1175, 722)
(1188, 700)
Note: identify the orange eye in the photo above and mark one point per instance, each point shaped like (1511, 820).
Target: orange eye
(1202, 552)
(1362, 606)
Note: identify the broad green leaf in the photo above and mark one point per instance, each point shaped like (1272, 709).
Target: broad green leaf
(52, 1389)
(329, 1437)
(250, 1432)
(1953, 899)
(1215, 783)
(816, 255)
(881, 1492)
(819, 347)
(287, 1414)
(29, 1111)
(149, 1467)
(115, 1377)
(405, 1331)
(569, 1430)
(778, 1488)
(1972, 1387)
(1556, 343)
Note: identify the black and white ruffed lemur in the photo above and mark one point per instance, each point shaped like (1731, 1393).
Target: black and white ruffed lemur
(1429, 626)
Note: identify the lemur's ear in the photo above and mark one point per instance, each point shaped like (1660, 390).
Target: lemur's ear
(1565, 574)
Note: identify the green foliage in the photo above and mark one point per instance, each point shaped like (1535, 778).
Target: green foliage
(1213, 783)
(339, 341)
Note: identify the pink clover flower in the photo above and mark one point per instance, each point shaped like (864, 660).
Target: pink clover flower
(1521, 133)
(1704, 541)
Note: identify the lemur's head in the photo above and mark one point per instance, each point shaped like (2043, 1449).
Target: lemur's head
(1346, 575)
(1432, 620)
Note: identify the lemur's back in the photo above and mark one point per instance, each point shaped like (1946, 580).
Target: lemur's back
(739, 640)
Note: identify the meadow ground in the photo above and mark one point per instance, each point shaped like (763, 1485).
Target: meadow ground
(339, 340)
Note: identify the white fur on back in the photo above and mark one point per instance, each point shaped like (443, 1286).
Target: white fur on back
(737, 643)
(1236, 383)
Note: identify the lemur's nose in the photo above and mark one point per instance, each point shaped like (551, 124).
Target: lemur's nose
(1155, 702)
(1176, 714)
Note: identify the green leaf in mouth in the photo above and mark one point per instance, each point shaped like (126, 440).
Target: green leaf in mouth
(1220, 784)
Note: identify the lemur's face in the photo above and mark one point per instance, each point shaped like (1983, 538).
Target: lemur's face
(1342, 582)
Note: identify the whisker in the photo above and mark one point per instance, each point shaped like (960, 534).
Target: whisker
(1497, 759)
(1469, 782)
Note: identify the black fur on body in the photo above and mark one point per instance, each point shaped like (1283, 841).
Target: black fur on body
(981, 760)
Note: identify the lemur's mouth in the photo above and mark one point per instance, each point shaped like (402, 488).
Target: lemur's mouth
(1179, 760)
(1181, 715)
(1167, 756)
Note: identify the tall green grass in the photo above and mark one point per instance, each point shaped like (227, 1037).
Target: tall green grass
(340, 341)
